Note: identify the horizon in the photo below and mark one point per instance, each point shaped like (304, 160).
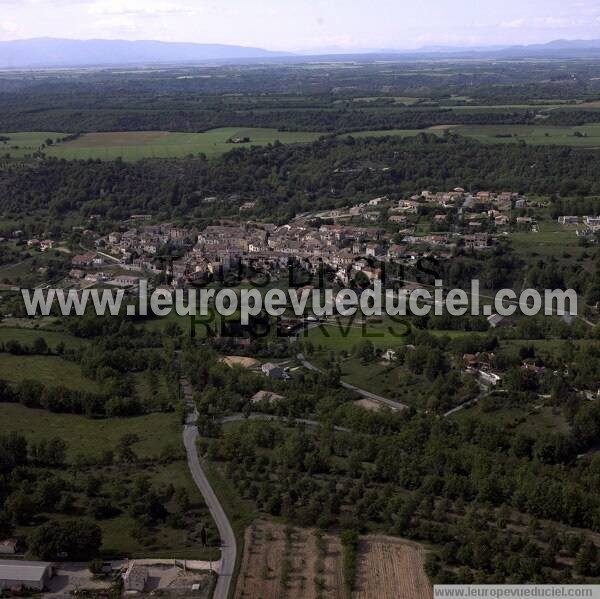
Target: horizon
(305, 27)
(431, 47)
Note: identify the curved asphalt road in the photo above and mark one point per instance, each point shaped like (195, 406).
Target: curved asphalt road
(384, 400)
(240, 417)
(228, 544)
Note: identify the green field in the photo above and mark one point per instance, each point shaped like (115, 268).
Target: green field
(530, 134)
(22, 144)
(89, 438)
(385, 334)
(49, 370)
(398, 132)
(532, 420)
(133, 145)
(552, 240)
(28, 336)
(585, 136)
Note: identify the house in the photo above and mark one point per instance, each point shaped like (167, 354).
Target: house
(135, 578)
(125, 280)
(9, 547)
(489, 378)
(33, 243)
(267, 396)
(372, 249)
(30, 575)
(274, 372)
(476, 241)
(568, 220)
(396, 251)
(389, 355)
(592, 221)
(82, 260)
(47, 244)
(524, 220)
(470, 360)
(495, 320)
(371, 216)
(77, 273)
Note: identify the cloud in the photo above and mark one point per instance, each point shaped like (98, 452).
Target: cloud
(514, 24)
(555, 22)
(137, 7)
(9, 27)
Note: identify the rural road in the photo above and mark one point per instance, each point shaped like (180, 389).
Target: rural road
(384, 400)
(483, 393)
(228, 544)
(272, 418)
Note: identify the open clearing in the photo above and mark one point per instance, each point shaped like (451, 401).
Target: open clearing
(136, 145)
(87, 439)
(22, 144)
(242, 361)
(291, 562)
(391, 567)
(49, 370)
(584, 136)
(28, 336)
(286, 562)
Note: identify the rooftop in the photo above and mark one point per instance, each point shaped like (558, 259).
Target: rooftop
(21, 570)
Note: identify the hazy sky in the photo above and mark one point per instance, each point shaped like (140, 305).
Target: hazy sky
(306, 25)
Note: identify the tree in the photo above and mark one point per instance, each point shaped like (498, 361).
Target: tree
(365, 350)
(586, 561)
(72, 540)
(39, 346)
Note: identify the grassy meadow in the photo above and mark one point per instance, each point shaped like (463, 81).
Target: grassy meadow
(88, 438)
(23, 144)
(584, 136)
(28, 336)
(49, 370)
(136, 145)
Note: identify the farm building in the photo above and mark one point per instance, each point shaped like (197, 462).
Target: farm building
(31, 575)
(135, 578)
(274, 372)
(9, 546)
(268, 396)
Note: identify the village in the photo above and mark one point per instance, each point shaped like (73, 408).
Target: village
(346, 241)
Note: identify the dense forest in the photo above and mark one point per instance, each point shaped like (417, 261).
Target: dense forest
(291, 179)
(300, 97)
(468, 487)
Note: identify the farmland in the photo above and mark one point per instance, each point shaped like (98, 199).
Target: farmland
(132, 145)
(289, 561)
(88, 442)
(303, 563)
(88, 437)
(26, 336)
(391, 567)
(584, 136)
(25, 143)
(49, 370)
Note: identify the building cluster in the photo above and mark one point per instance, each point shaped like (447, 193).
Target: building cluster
(587, 226)
(339, 239)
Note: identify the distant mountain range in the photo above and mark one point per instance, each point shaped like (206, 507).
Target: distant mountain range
(52, 52)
